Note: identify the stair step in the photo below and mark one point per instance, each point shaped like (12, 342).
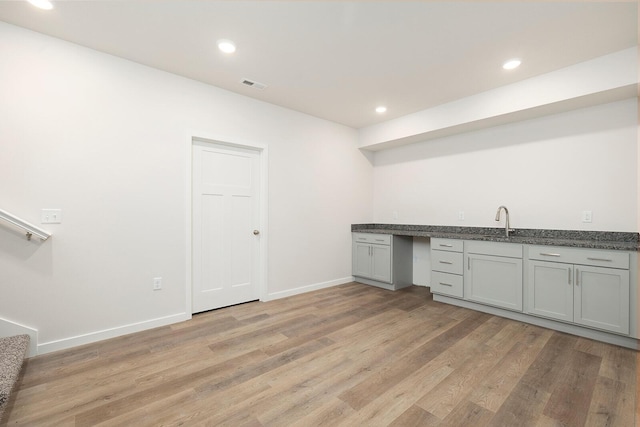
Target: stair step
(12, 354)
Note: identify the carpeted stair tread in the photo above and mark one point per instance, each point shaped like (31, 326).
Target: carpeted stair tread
(12, 354)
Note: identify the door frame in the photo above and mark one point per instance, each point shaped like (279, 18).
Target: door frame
(262, 151)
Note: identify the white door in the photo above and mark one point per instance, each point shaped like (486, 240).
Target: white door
(226, 239)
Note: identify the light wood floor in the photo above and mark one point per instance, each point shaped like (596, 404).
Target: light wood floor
(350, 355)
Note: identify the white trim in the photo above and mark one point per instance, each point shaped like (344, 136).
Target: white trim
(264, 222)
(308, 288)
(92, 337)
(263, 152)
(9, 328)
(594, 334)
(188, 204)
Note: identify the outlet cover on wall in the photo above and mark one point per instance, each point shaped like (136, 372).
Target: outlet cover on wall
(587, 216)
(157, 283)
(460, 215)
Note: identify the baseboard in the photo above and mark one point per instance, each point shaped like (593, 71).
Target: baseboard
(580, 331)
(92, 337)
(307, 288)
(9, 328)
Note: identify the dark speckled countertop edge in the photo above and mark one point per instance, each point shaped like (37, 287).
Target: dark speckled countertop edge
(613, 240)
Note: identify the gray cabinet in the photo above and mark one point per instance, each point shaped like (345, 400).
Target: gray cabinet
(493, 274)
(550, 290)
(372, 261)
(382, 260)
(601, 298)
(587, 292)
(585, 287)
(447, 267)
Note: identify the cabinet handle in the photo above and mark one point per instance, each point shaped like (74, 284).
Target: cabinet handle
(446, 284)
(445, 262)
(549, 254)
(577, 277)
(380, 240)
(569, 270)
(468, 263)
(599, 259)
(444, 245)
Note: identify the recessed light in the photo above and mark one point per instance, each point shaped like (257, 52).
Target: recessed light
(381, 109)
(42, 4)
(227, 46)
(511, 64)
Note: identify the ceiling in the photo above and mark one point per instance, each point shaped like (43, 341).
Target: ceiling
(339, 60)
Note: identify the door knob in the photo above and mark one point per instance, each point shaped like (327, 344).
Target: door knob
(256, 232)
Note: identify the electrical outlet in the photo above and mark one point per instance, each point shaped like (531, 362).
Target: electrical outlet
(157, 283)
(51, 216)
(395, 214)
(461, 215)
(587, 216)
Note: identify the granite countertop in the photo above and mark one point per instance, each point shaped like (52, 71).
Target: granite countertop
(622, 241)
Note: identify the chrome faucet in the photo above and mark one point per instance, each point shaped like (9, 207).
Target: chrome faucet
(507, 230)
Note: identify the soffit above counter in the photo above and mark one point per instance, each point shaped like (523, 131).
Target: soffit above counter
(610, 78)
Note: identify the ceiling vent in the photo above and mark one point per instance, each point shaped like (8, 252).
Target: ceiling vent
(253, 84)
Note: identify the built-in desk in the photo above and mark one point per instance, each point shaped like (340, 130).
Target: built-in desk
(580, 282)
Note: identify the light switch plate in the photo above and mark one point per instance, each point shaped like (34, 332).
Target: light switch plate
(51, 216)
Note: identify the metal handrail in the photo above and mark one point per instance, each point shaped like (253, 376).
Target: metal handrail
(29, 228)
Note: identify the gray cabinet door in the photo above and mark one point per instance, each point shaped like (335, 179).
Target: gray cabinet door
(601, 298)
(362, 259)
(372, 261)
(381, 263)
(494, 280)
(550, 290)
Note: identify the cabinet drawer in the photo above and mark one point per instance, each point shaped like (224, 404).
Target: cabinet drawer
(451, 245)
(511, 250)
(612, 259)
(446, 284)
(447, 262)
(379, 239)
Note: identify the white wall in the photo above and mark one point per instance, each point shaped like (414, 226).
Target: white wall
(107, 141)
(545, 170)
